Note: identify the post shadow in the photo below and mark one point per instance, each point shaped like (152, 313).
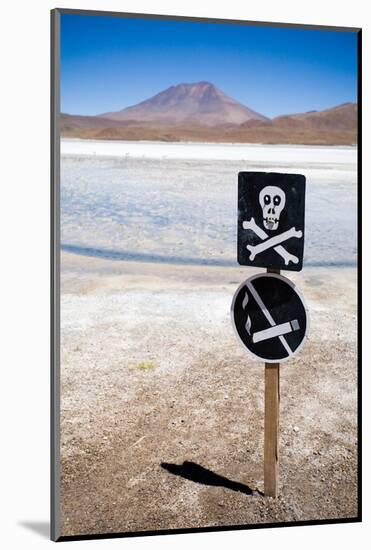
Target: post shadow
(199, 474)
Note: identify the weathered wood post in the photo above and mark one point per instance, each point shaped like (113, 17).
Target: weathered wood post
(271, 424)
(271, 428)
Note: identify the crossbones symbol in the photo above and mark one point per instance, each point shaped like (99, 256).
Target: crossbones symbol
(272, 201)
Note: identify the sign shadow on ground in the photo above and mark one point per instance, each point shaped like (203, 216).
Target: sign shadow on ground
(198, 474)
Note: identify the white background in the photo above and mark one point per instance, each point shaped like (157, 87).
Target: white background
(24, 305)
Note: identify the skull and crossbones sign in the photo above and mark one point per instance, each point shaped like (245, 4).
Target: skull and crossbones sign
(272, 200)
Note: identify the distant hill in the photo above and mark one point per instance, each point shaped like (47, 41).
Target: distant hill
(73, 122)
(201, 103)
(342, 117)
(335, 126)
(202, 112)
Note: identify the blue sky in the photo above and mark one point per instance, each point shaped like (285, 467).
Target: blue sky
(110, 63)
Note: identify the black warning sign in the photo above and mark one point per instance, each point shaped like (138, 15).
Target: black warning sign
(271, 208)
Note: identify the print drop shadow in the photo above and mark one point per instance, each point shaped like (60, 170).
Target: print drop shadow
(42, 528)
(199, 474)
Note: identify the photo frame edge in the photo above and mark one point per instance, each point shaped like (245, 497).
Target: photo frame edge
(55, 18)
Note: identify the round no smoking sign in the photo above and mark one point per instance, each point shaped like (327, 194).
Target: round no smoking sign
(270, 317)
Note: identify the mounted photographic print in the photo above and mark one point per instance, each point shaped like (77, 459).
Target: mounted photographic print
(205, 267)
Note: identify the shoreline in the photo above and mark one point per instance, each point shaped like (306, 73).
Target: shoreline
(89, 274)
(221, 143)
(127, 256)
(191, 150)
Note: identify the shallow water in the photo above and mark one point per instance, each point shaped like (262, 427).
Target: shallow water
(184, 210)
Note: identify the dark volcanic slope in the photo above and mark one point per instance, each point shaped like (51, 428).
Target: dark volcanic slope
(201, 103)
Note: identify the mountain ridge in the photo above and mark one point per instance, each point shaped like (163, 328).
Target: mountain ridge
(201, 112)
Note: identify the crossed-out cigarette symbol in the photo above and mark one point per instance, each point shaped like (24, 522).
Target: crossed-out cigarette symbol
(272, 242)
(274, 331)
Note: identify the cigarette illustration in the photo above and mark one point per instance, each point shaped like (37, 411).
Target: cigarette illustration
(276, 330)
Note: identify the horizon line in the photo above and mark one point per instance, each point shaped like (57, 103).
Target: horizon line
(217, 87)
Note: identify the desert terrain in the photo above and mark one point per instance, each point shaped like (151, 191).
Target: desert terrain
(161, 407)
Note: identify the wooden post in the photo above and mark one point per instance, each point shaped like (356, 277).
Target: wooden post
(271, 428)
(271, 424)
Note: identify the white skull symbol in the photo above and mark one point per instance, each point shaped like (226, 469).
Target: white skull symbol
(272, 201)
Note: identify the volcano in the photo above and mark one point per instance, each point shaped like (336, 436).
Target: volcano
(200, 103)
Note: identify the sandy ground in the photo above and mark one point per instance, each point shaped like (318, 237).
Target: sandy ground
(162, 409)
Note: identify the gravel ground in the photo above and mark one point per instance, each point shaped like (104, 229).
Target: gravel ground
(162, 409)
